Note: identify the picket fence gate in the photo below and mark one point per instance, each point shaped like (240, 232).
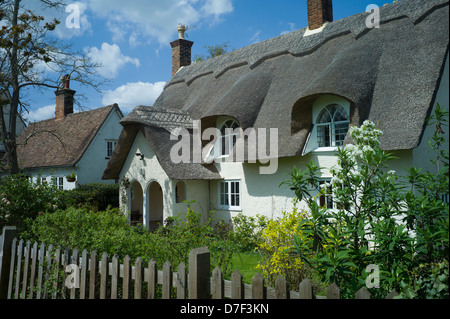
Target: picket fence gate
(27, 271)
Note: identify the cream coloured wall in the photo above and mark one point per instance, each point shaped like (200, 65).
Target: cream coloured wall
(91, 166)
(93, 163)
(262, 194)
(422, 153)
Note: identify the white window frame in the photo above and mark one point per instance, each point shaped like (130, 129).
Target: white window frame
(230, 134)
(312, 143)
(113, 143)
(331, 196)
(332, 127)
(58, 182)
(228, 194)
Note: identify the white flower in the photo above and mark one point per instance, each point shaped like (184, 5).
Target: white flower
(325, 185)
(336, 181)
(349, 148)
(367, 149)
(336, 169)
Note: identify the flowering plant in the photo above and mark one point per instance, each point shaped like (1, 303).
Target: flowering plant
(375, 220)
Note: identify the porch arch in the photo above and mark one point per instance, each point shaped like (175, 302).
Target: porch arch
(155, 205)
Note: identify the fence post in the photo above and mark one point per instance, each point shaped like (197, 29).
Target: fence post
(218, 284)
(8, 234)
(199, 274)
(306, 289)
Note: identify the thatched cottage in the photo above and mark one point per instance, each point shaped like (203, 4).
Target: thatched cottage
(310, 85)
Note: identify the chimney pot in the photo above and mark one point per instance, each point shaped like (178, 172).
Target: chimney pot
(319, 12)
(181, 31)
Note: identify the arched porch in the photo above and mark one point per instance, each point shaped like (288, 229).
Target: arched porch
(155, 206)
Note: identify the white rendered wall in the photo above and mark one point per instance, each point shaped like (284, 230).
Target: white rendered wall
(93, 163)
(421, 154)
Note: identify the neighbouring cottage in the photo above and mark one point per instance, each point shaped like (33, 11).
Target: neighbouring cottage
(311, 85)
(71, 144)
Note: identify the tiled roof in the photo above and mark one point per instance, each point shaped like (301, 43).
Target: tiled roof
(53, 143)
(168, 119)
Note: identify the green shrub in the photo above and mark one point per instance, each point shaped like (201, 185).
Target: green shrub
(247, 231)
(276, 258)
(95, 196)
(22, 200)
(108, 231)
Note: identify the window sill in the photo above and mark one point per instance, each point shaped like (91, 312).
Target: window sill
(325, 149)
(230, 209)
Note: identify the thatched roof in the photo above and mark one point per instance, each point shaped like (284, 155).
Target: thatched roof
(389, 75)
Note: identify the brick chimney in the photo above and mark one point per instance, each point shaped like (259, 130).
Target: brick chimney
(319, 12)
(181, 51)
(64, 98)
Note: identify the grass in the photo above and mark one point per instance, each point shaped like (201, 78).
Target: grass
(246, 264)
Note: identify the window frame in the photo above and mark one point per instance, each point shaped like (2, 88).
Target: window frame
(113, 143)
(312, 141)
(227, 192)
(58, 181)
(217, 151)
(177, 199)
(331, 126)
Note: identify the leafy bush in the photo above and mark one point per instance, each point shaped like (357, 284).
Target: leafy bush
(274, 247)
(430, 282)
(109, 231)
(95, 196)
(22, 200)
(247, 231)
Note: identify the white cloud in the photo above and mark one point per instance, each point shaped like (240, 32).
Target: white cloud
(40, 114)
(158, 20)
(217, 7)
(130, 95)
(110, 58)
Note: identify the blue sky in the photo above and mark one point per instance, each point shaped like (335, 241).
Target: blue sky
(132, 40)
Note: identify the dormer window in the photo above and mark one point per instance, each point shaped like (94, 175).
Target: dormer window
(331, 122)
(332, 126)
(227, 139)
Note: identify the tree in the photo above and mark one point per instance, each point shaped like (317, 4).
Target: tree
(26, 47)
(212, 51)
